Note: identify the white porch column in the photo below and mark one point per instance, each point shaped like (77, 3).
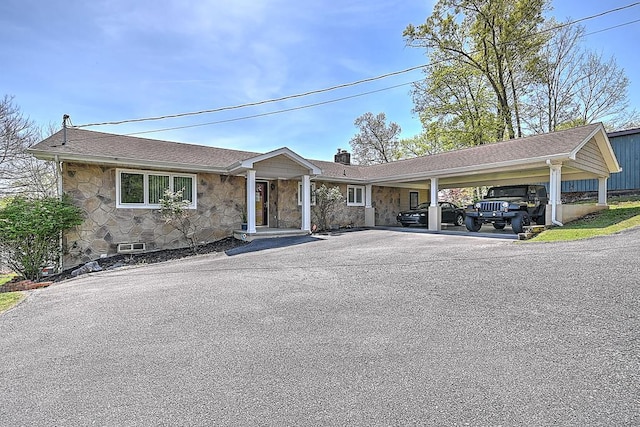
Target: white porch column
(306, 203)
(251, 201)
(369, 211)
(602, 191)
(435, 211)
(555, 194)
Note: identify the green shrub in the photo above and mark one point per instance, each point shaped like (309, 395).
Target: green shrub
(30, 231)
(174, 210)
(327, 199)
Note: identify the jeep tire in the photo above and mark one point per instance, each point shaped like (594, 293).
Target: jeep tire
(519, 222)
(472, 224)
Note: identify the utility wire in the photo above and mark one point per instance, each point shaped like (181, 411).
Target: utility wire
(268, 101)
(270, 113)
(336, 87)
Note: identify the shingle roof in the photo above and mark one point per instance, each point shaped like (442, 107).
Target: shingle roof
(561, 143)
(98, 145)
(95, 147)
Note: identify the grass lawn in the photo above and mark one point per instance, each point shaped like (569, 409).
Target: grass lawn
(622, 213)
(8, 299)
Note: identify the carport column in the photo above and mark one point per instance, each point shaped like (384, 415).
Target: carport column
(435, 211)
(251, 201)
(555, 199)
(602, 191)
(369, 210)
(306, 203)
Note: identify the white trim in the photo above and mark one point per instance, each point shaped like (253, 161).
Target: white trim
(355, 201)
(145, 174)
(306, 206)
(251, 201)
(284, 151)
(313, 193)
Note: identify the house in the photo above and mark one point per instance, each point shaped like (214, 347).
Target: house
(118, 180)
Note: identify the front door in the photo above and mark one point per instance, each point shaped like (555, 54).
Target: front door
(262, 204)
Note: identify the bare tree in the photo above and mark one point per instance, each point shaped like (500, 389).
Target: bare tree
(20, 172)
(602, 94)
(576, 86)
(376, 142)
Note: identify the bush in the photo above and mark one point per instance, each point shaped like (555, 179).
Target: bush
(327, 199)
(30, 232)
(174, 210)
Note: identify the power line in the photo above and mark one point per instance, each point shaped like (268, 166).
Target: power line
(331, 88)
(317, 104)
(253, 104)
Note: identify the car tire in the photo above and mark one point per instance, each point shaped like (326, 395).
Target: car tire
(519, 222)
(459, 221)
(499, 226)
(472, 224)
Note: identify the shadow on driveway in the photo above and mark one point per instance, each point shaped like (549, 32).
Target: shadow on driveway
(274, 242)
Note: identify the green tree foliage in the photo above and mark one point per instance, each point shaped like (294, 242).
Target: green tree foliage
(499, 70)
(489, 43)
(30, 231)
(376, 141)
(174, 210)
(327, 199)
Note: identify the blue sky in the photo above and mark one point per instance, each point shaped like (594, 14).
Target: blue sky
(110, 60)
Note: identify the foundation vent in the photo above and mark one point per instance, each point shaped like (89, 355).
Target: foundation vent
(125, 248)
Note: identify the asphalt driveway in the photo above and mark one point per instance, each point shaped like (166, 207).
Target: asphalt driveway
(364, 328)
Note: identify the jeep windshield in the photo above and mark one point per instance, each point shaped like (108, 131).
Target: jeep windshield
(506, 192)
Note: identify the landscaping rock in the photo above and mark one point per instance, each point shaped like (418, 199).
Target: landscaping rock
(89, 267)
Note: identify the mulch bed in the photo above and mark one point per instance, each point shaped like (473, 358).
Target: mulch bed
(121, 260)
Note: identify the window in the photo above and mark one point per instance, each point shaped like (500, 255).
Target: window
(355, 195)
(313, 194)
(144, 189)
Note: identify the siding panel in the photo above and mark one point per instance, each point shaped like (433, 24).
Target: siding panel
(627, 150)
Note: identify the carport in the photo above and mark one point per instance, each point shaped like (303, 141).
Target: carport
(574, 154)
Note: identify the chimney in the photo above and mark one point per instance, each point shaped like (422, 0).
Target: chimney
(342, 157)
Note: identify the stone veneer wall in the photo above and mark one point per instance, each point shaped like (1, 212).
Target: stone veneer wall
(385, 200)
(93, 188)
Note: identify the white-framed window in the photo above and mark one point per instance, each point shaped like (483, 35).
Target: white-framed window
(144, 189)
(313, 193)
(355, 195)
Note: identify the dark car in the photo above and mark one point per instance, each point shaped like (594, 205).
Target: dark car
(420, 215)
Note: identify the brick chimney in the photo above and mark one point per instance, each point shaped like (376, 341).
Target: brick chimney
(342, 157)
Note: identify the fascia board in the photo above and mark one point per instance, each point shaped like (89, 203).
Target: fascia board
(284, 151)
(118, 161)
(445, 173)
(602, 140)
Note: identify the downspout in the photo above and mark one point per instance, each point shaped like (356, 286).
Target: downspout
(554, 198)
(554, 219)
(59, 181)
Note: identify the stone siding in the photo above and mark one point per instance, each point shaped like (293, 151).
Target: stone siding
(93, 188)
(385, 200)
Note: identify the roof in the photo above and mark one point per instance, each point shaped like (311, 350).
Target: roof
(624, 132)
(530, 152)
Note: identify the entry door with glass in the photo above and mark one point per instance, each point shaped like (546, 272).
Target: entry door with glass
(262, 204)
